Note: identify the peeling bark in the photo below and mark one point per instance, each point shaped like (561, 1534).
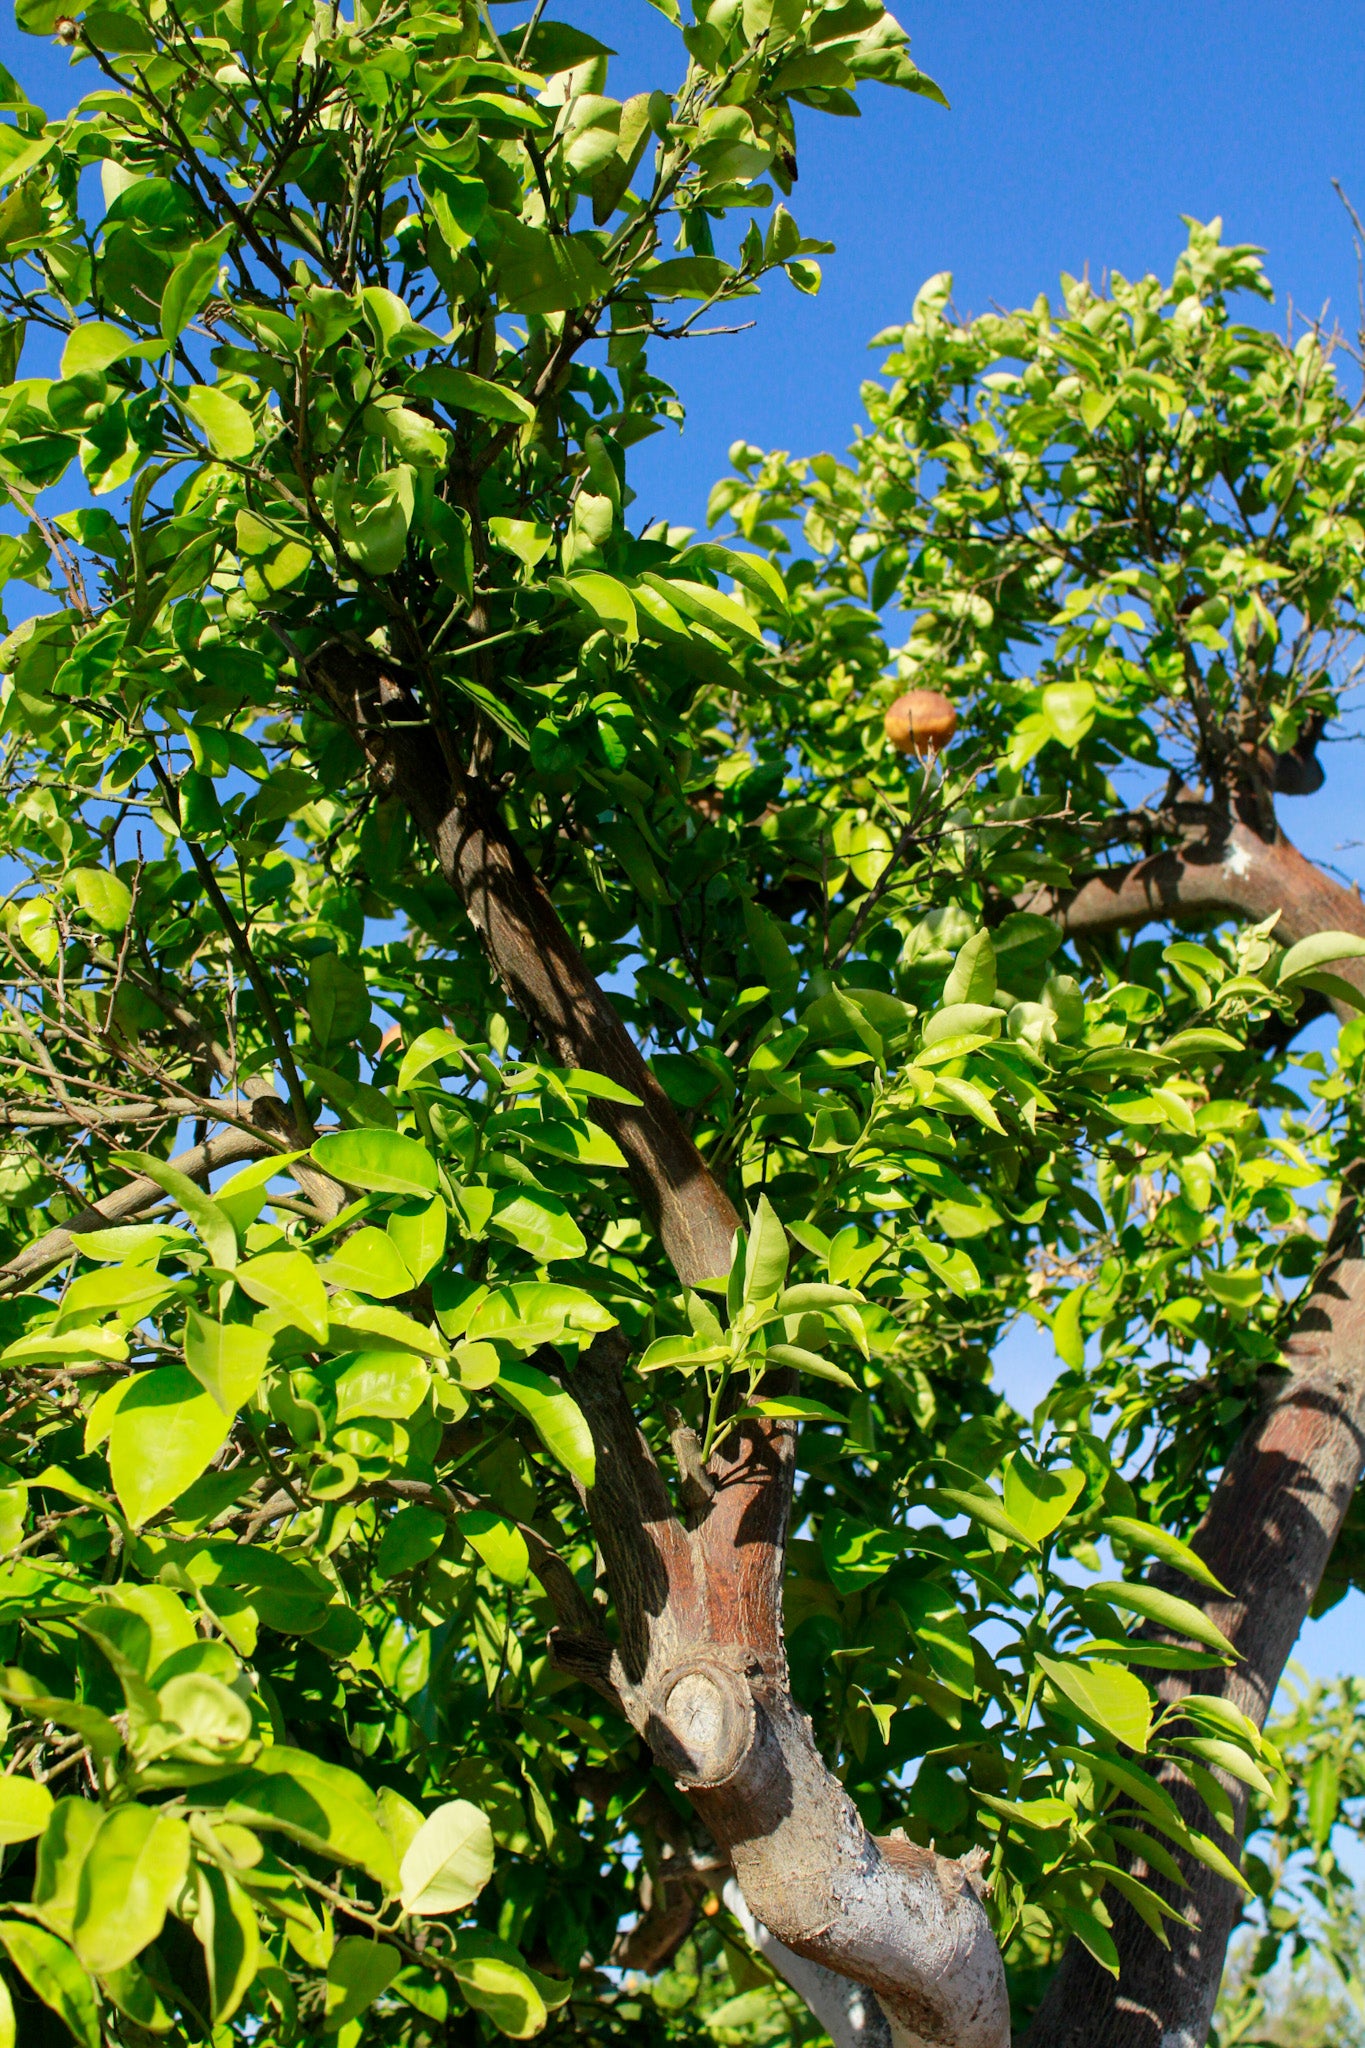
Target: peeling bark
(700, 1666)
(1281, 1500)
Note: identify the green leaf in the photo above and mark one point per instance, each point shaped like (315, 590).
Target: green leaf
(25, 1807)
(555, 1415)
(166, 1431)
(811, 1362)
(540, 1224)
(1318, 951)
(369, 1262)
(538, 272)
(1144, 1536)
(105, 899)
(504, 1991)
(1069, 709)
(360, 1970)
(425, 1051)
(383, 1161)
(681, 1354)
(1030, 1813)
(190, 284)
(1108, 1696)
(498, 1542)
(226, 1926)
(1323, 1788)
(227, 425)
(941, 1634)
(324, 1808)
(227, 1359)
(449, 1861)
(1181, 1617)
(606, 601)
(134, 1867)
(415, 1534)
(1037, 1499)
(980, 1507)
(382, 1383)
(972, 979)
(856, 1553)
(765, 1265)
(793, 1407)
(212, 1224)
(462, 391)
(419, 1237)
(93, 348)
(289, 1283)
(52, 1973)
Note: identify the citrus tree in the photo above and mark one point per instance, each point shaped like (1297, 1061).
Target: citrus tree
(525, 1116)
(1127, 536)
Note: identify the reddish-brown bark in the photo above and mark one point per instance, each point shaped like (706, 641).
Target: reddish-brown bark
(1281, 1500)
(699, 1666)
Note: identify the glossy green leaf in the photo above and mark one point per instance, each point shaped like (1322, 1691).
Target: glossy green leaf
(1182, 1617)
(165, 1432)
(359, 1972)
(370, 1262)
(1039, 1499)
(1144, 1536)
(381, 1160)
(225, 424)
(290, 1284)
(1110, 1697)
(556, 1417)
(53, 1974)
(25, 1807)
(227, 1359)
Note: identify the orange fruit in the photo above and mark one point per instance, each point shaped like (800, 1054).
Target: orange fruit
(921, 722)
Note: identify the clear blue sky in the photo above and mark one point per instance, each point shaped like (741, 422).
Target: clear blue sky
(1078, 135)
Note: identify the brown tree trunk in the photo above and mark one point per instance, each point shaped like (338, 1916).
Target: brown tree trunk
(700, 1665)
(1281, 1500)
(1268, 1534)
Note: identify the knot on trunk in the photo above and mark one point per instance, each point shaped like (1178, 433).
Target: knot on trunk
(701, 1722)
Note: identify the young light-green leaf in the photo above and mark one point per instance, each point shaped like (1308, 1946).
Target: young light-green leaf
(449, 1861)
(556, 1417)
(1114, 1699)
(166, 1430)
(226, 424)
(383, 1161)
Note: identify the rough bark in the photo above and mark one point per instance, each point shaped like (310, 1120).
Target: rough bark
(1268, 1534)
(849, 2015)
(1283, 1495)
(700, 1665)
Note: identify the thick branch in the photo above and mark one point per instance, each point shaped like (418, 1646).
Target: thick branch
(700, 1668)
(1268, 1535)
(127, 1202)
(534, 957)
(1225, 869)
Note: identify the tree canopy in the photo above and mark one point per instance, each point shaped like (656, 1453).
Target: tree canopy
(526, 1116)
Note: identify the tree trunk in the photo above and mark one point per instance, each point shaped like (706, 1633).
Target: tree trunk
(700, 1666)
(1268, 1534)
(1277, 1509)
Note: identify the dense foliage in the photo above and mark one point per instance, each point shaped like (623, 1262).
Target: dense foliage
(310, 348)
